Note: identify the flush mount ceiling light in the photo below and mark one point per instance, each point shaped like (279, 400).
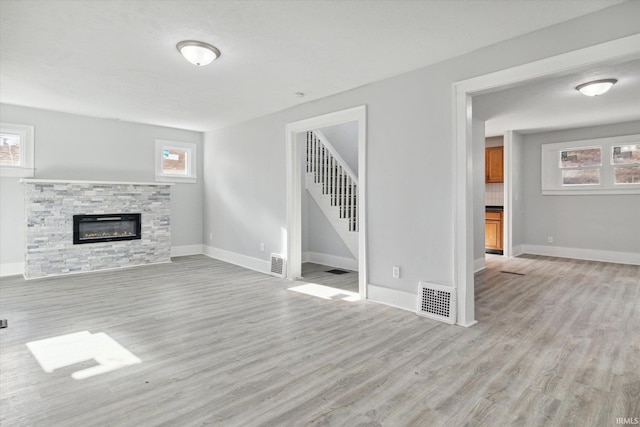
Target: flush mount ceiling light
(596, 87)
(198, 53)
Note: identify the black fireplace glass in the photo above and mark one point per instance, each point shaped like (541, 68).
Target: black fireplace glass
(106, 227)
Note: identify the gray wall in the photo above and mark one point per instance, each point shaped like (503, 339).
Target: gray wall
(410, 157)
(478, 189)
(598, 222)
(321, 237)
(344, 138)
(69, 146)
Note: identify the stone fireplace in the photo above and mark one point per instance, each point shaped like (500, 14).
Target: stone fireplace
(62, 216)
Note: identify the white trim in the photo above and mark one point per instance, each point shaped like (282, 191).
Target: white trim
(517, 251)
(244, 261)
(479, 265)
(294, 189)
(16, 172)
(393, 297)
(11, 269)
(463, 186)
(72, 181)
(191, 164)
(27, 140)
(185, 250)
(331, 260)
(632, 258)
(507, 197)
(592, 192)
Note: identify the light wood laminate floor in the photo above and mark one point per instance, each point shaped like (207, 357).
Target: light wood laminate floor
(318, 273)
(221, 345)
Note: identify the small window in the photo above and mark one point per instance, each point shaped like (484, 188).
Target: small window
(581, 166)
(626, 164)
(597, 166)
(175, 161)
(16, 150)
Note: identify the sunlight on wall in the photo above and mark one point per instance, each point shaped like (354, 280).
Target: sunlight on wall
(66, 350)
(325, 292)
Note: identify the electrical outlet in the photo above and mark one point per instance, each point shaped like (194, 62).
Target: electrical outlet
(396, 272)
(549, 239)
(261, 247)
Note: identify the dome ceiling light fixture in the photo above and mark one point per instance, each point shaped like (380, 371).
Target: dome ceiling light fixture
(198, 53)
(596, 87)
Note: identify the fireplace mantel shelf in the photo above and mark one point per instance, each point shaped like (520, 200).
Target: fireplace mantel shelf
(69, 181)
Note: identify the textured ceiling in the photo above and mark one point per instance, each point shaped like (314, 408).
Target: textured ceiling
(117, 59)
(554, 103)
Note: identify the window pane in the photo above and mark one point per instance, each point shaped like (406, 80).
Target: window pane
(626, 154)
(174, 162)
(581, 177)
(10, 150)
(627, 175)
(581, 157)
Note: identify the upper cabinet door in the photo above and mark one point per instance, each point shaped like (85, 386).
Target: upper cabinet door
(494, 164)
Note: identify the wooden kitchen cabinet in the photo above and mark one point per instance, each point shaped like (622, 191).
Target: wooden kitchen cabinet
(494, 164)
(493, 231)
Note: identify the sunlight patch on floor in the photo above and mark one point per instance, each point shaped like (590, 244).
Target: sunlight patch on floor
(326, 292)
(66, 350)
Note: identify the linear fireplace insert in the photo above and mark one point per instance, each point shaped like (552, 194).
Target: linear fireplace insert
(106, 228)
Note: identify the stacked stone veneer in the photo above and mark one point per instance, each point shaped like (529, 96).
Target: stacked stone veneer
(49, 211)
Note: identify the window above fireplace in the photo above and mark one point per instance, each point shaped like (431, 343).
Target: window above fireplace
(16, 150)
(175, 161)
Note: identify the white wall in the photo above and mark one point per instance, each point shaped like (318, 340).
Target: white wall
(588, 222)
(69, 146)
(410, 157)
(344, 138)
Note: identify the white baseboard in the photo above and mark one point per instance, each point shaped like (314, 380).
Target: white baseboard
(245, 261)
(586, 254)
(186, 250)
(11, 269)
(330, 260)
(518, 250)
(479, 265)
(392, 297)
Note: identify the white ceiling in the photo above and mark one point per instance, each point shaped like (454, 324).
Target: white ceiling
(117, 59)
(555, 104)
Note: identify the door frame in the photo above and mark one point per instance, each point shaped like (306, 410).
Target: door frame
(293, 249)
(621, 49)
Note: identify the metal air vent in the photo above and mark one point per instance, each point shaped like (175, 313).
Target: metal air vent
(437, 302)
(277, 265)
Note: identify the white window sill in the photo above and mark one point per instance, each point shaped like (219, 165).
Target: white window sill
(16, 172)
(176, 179)
(593, 192)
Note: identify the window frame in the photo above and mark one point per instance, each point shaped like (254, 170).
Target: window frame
(551, 170)
(27, 140)
(190, 163)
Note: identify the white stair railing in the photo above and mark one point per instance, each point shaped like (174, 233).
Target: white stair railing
(332, 172)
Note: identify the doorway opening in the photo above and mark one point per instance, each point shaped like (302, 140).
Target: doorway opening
(626, 47)
(297, 152)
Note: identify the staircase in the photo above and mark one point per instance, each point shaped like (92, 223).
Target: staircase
(334, 187)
